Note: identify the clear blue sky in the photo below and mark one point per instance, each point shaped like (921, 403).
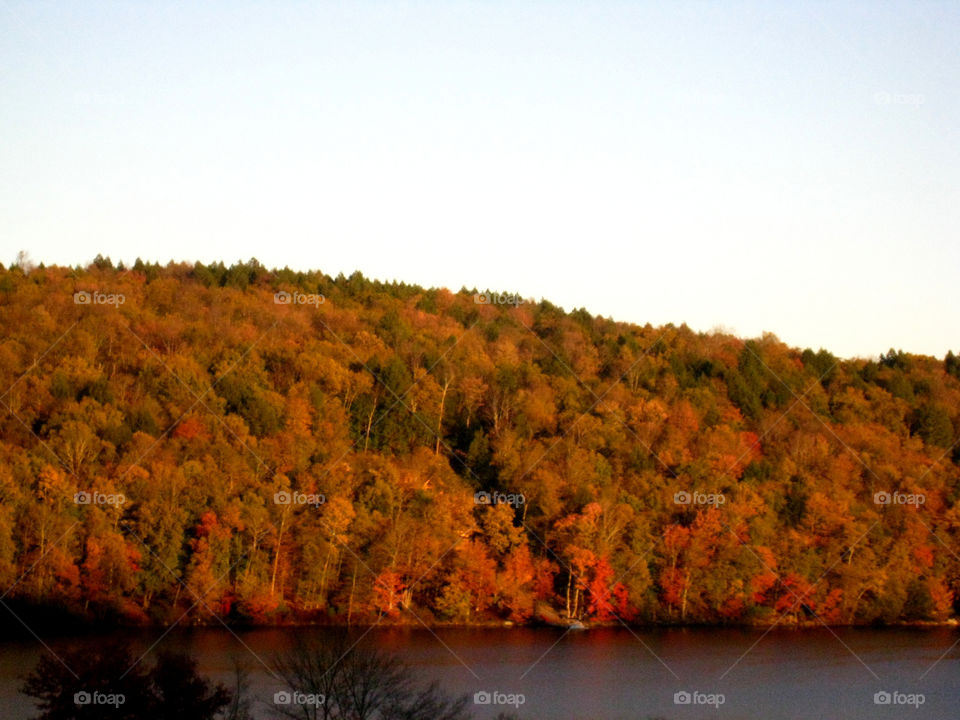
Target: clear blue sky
(790, 167)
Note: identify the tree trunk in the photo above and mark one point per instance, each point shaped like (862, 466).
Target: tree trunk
(353, 586)
(373, 410)
(323, 576)
(443, 398)
(276, 554)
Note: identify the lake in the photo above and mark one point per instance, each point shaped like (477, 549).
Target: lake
(613, 674)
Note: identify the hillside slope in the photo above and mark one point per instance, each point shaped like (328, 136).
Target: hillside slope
(269, 446)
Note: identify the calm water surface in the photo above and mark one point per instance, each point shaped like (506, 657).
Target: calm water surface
(610, 674)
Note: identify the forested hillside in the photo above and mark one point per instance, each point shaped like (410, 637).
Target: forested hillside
(272, 446)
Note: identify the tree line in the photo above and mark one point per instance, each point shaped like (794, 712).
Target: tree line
(250, 446)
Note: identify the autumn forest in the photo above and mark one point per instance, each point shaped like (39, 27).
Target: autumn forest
(239, 445)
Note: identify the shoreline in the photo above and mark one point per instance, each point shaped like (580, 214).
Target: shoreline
(75, 627)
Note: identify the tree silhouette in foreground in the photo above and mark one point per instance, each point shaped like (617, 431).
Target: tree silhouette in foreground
(359, 684)
(109, 683)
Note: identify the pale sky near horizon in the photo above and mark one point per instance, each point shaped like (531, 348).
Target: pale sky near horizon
(783, 167)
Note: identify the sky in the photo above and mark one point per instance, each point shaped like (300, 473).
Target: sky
(784, 167)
